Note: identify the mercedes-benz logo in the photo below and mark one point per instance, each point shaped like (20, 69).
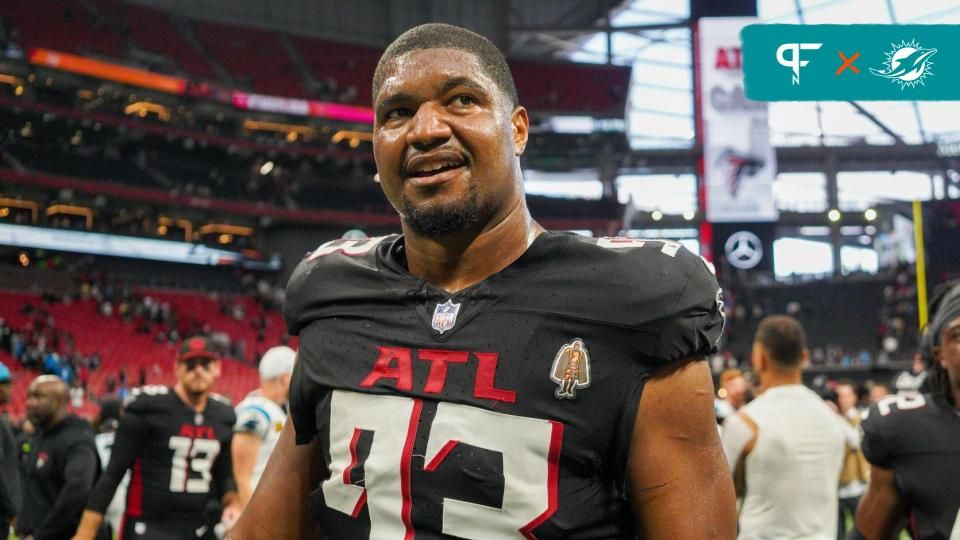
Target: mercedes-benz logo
(744, 250)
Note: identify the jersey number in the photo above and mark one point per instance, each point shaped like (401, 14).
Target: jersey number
(530, 449)
(955, 534)
(192, 455)
(904, 402)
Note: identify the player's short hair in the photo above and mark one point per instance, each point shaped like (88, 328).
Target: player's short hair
(783, 338)
(446, 36)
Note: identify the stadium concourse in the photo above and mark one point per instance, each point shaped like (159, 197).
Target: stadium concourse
(165, 166)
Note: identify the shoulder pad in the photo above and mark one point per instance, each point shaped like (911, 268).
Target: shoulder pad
(330, 274)
(145, 397)
(222, 399)
(657, 278)
(889, 424)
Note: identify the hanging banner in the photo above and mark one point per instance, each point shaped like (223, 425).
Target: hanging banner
(739, 160)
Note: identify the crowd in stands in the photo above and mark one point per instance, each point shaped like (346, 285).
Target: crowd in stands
(842, 332)
(39, 345)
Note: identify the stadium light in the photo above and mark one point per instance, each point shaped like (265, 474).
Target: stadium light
(689, 215)
(833, 215)
(266, 168)
(870, 214)
(656, 215)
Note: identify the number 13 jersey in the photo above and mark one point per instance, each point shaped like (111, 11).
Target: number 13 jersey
(504, 410)
(178, 459)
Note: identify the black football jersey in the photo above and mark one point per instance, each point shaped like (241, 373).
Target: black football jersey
(504, 410)
(918, 437)
(179, 459)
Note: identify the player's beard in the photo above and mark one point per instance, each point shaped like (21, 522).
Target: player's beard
(439, 219)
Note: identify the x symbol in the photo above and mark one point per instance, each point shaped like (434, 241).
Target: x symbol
(848, 63)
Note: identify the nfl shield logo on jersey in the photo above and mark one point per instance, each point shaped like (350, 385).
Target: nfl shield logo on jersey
(571, 369)
(445, 316)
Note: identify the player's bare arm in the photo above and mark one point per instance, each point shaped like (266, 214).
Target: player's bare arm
(278, 507)
(738, 438)
(881, 511)
(680, 484)
(244, 448)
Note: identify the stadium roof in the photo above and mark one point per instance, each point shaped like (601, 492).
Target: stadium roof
(662, 74)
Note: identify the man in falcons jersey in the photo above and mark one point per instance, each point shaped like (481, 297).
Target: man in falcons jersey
(912, 442)
(478, 377)
(176, 443)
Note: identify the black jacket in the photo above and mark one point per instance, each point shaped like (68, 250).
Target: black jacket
(58, 468)
(9, 477)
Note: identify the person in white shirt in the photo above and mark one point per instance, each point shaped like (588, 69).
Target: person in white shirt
(786, 447)
(260, 417)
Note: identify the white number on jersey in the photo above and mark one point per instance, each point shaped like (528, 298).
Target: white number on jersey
(530, 448)
(955, 534)
(904, 402)
(197, 455)
(347, 247)
(669, 247)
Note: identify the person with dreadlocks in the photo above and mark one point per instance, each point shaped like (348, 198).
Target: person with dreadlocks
(913, 442)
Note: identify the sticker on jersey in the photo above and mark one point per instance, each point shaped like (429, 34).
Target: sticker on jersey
(42, 458)
(445, 316)
(571, 369)
(198, 419)
(617, 242)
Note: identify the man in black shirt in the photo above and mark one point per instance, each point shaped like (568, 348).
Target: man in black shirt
(479, 377)
(9, 474)
(176, 443)
(912, 442)
(59, 464)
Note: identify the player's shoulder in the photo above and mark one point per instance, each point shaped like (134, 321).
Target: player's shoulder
(337, 257)
(328, 273)
(221, 406)
(149, 398)
(638, 280)
(255, 401)
(637, 261)
(904, 424)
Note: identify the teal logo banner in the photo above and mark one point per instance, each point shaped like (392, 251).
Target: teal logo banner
(833, 62)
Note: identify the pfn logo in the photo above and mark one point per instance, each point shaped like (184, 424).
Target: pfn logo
(794, 62)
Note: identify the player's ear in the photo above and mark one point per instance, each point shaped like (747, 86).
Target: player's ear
(805, 360)
(756, 358)
(521, 129)
(938, 355)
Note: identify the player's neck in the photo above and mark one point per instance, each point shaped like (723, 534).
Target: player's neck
(773, 378)
(462, 259)
(272, 393)
(197, 402)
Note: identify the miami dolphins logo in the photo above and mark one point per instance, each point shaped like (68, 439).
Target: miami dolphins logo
(907, 64)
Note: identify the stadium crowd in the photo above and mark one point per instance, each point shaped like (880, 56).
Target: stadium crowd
(177, 460)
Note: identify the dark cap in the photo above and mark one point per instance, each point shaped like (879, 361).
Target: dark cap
(197, 347)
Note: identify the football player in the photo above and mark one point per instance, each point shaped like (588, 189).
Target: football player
(786, 447)
(176, 443)
(913, 442)
(260, 416)
(479, 377)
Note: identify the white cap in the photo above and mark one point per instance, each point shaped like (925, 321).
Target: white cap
(276, 362)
